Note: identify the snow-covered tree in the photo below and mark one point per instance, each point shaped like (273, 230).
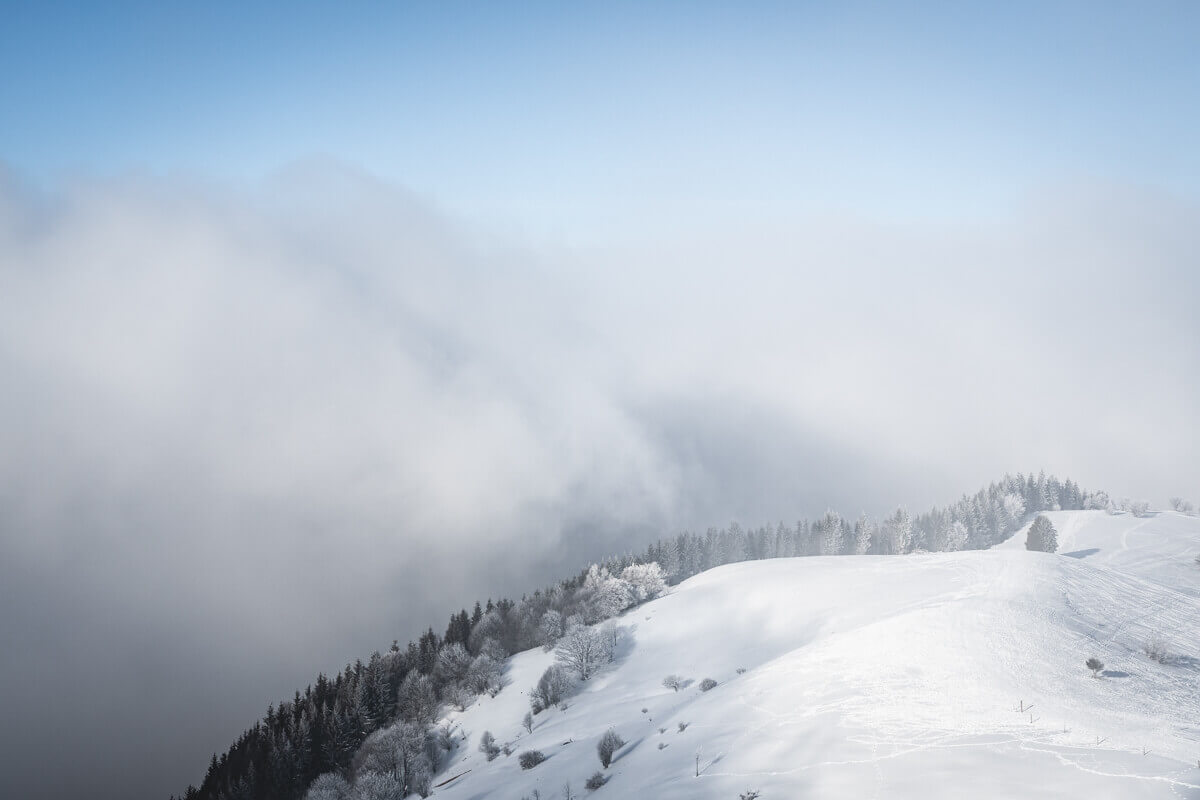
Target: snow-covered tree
(453, 663)
(377, 786)
(550, 629)
(551, 688)
(673, 682)
(896, 532)
(645, 581)
(609, 743)
(330, 786)
(487, 745)
(417, 700)
(1014, 511)
(604, 595)
(582, 651)
(1042, 536)
(483, 677)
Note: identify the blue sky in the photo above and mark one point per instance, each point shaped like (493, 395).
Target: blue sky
(586, 120)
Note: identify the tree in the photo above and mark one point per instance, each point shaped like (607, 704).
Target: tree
(551, 688)
(550, 628)
(330, 786)
(609, 743)
(645, 581)
(582, 651)
(527, 722)
(487, 745)
(1095, 665)
(377, 786)
(417, 701)
(1042, 537)
(674, 681)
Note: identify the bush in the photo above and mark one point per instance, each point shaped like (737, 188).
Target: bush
(706, 684)
(487, 745)
(1095, 665)
(551, 689)
(609, 743)
(683, 727)
(595, 782)
(1156, 648)
(531, 758)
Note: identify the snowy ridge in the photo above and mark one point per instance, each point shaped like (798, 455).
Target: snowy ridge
(923, 676)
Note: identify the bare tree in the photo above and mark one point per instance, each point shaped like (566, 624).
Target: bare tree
(581, 650)
(527, 722)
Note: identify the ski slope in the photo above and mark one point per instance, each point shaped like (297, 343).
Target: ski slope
(926, 676)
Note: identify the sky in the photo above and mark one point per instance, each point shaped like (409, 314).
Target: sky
(319, 323)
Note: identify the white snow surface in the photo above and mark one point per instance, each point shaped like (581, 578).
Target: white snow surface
(885, 677)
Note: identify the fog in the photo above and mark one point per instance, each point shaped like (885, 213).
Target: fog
(252, 433)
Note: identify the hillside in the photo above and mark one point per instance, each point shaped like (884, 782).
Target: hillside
(887, 677)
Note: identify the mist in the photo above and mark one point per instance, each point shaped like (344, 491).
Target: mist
(252, 433)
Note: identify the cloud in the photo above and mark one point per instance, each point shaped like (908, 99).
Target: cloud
(252, 433)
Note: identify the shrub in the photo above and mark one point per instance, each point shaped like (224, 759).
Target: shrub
(609, 743)
(662, 745)
(531, 758)
(706, 684)
(1156, 648)
(1095, 665)
(487, 745)
(741, 670)
(683, 727)
(595, 782)
(551, 689)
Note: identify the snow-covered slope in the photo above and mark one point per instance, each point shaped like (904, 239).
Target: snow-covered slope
(886, 677)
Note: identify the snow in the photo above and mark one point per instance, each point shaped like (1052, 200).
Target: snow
(886, 677)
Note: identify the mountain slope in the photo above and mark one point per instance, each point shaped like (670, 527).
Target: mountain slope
(886, 677)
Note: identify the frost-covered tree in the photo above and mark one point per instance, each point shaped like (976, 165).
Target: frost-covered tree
(832, 542)
(487, 745)
(453, 663)
(673, 682)
(550, 629)
(604, 596)
(896, 532)
(645, 581)
(1014, 511)
(610, 637)
(582, 651)
(864, 533)
(417, 700)
(484, 675)
(1042, 536)
(609, 743)
(401, 751)
(377, 786)
(551, 688)
(330, 786)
